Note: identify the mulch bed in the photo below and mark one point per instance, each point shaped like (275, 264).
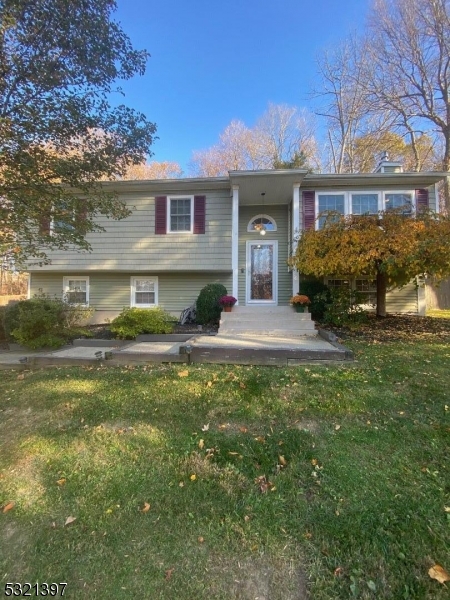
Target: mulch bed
(395, 328)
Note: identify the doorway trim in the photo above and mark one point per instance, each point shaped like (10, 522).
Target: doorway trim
(248, 270)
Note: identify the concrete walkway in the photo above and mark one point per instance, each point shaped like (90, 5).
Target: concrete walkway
(221, 348)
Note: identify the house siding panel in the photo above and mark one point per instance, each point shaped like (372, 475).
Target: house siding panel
(280, 214)
(402, 300)
(131, 244)
(111, 291)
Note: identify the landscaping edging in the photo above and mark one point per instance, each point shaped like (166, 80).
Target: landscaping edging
(331, 338)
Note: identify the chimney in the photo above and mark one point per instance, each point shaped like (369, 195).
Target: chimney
(388, 166)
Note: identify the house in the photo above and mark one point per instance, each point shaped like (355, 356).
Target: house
(238, 230)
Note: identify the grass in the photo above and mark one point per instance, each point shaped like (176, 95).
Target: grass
(438, 313)
(326, 480)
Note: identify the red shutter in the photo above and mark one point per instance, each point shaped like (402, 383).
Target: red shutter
(82, 211)
(422, 202)
(44, 225)
(309, 209)
(160, 214)
(199, 214)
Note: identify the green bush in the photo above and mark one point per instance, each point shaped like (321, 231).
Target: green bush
(208, 307)
(318, 293)
(343, 307)
(44, 322)
(134, 321)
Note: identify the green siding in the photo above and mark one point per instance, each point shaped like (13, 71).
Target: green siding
(403, 300)
(280, 214)
(112, 291)
(132, 245)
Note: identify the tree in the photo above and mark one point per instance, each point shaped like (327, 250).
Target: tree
(59, 132)
(390, 248)
(282, 138)
(154, 170)
(409, 54)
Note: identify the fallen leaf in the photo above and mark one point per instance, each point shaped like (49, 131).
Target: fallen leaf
(233, 453)
(209, 384)
(69, 520)
(8, 506)
(183, 373)
(193, 477)
(21, 376)
(314, 462)
(447, 509)
(260, 438)
(282, 461)
(243, 429)
(205, 427)
(201, 444)
(439, 573)
(200, 539)
(242, 385)
(169, 574)
(338, 571)
(223, 426)
(181, 484)
(61, 481)
(337, 427)
(247, 518)
(146, 507)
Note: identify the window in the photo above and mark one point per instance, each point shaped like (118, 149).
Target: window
(63, 219)
(368, 288)
(364, 204)
(338, 283)
(76, 290)
(393, 200)
(180, 214)
(261, 223)
(330, 202)
(144, 292)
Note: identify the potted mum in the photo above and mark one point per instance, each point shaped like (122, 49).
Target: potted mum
(300, 302)
(227, 302)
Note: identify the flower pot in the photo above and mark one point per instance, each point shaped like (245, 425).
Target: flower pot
(300, 308)
(227, 308)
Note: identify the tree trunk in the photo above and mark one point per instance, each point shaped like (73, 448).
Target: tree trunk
(381, 294)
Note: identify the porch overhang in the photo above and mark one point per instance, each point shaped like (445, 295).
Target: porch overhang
(276, 185)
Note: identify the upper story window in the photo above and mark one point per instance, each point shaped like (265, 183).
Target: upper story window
(395, 200)
(329, 202)
(364, 203)
(261, 223)
(76, 290)
(180, 214)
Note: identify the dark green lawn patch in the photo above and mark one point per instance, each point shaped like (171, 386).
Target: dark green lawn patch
(324, 482)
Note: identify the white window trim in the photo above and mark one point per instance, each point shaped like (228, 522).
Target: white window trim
(330, 193)
(366, 193)
(180, 197)
(352, 286)
(348, 199)
(261, 216)
(133, 279)
(68, 278)
(411, 192)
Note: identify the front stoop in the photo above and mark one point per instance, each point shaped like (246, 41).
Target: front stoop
(268, 321)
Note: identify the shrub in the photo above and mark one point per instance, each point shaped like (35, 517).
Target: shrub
(208, 307)
(44, 322)
(343, 307)
(317, 292)
(134, 321)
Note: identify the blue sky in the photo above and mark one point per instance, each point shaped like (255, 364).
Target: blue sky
(212, 62)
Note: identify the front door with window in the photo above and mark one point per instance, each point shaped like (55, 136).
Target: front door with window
(262, 261)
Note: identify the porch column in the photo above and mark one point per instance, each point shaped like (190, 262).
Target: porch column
(295, 230)
(235, 241)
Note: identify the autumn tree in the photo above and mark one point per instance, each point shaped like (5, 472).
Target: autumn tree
(282, 138)
(154, 170)
(59, 132)
(389, 247)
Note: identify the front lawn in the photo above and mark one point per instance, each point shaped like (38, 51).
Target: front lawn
(231, 482)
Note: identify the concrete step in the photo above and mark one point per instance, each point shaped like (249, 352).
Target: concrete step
(270, 321)
(291, 333)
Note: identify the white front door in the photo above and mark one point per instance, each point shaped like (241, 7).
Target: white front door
(262, 272)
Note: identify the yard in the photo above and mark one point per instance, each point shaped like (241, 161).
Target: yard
(318, 482)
